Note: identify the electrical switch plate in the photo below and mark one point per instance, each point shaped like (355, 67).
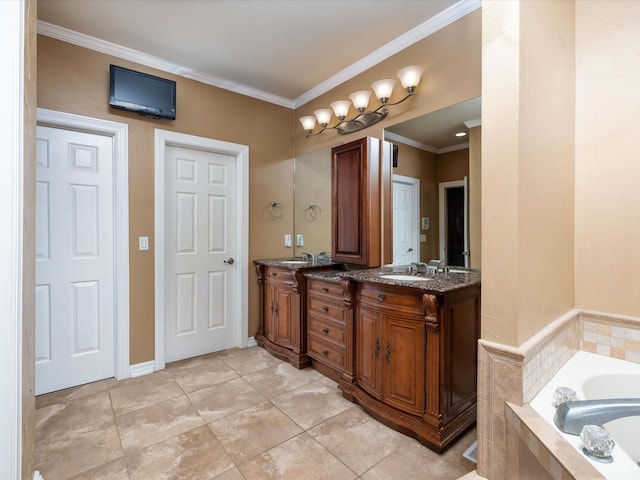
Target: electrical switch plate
(143, 243)
(299, 240)
(423, 238)
(425, 223)
(287, 240)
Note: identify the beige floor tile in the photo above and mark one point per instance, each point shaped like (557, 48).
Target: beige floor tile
(312, 404)
(254, 430)
(224, 399)
(233, 474)
(357, 439)
(141, 392)
(75, 393)
(147, 426)
(201, 375)
(297, 459)
(416, 461)
(74, 414)
(280, 379)
(116, 470)
(193, 455)
(249, 360)
(69, 452)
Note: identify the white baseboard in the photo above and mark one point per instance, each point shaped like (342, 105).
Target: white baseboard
(140, 369)
(252, 342)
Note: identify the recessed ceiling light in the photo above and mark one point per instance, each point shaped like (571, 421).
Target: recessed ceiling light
(460, 134)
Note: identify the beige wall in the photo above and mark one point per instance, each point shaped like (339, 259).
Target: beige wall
(453, 166)
(28, 239)
(475, 196)
(76, 80)
(528, 197)
(607, 197)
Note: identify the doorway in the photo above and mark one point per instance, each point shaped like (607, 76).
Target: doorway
(454, 223)
(201, 246)
(82, 260)
(406, 220)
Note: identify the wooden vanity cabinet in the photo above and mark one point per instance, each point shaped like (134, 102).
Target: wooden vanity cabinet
(281, 329)
(355, 203)
(415, 360)
(330, 328)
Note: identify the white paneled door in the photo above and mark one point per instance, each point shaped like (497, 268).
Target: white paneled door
(406, 236)
(75, 321)
(200, 226)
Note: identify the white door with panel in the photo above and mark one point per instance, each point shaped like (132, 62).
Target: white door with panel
(200, 219)
(75, 290)
(406, 217)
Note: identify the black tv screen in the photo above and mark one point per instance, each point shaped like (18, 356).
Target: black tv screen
(142, 93)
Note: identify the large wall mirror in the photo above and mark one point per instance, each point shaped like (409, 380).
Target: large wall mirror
(431, 187)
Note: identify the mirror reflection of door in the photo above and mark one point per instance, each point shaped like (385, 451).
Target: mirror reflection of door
(454, 229)
(406, 220)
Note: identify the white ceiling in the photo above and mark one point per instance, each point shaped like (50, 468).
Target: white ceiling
(283, 51)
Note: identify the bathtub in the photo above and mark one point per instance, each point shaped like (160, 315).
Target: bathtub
(596, 377)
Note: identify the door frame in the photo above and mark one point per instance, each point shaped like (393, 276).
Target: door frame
(442, 210)
(414, 183)
(119, 132)
(163, 139)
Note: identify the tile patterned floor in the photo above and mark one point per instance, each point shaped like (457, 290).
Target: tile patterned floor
(232, 415)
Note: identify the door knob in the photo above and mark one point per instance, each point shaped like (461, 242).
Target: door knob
(230, 261)
(410, 250)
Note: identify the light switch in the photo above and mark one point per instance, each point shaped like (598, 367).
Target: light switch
(425, 223)
(423, 238)
(299, 240)
(143, 243)
(287, 240)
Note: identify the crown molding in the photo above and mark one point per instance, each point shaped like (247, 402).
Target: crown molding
(414, 35)
(473, 123)
(444, 18)
(423, 146)
(109, 48)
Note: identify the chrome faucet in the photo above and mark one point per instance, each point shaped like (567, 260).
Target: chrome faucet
(418, 267)
(310, 257)
(572, 416)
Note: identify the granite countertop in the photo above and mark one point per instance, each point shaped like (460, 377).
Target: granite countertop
(440, 282)
(295, 263)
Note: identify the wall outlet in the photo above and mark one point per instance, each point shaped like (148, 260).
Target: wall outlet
(287, 240)
(299, 240)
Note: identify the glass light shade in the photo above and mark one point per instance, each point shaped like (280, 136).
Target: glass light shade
(360, 100)
(383, 89)
(308, 122)
(341, 108)
(410, 76)
(323, 115)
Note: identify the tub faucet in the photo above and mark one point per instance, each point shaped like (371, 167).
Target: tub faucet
(571, 417)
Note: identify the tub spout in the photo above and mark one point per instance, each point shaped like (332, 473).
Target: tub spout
(571, 417)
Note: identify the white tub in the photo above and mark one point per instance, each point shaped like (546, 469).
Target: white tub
(595, 377)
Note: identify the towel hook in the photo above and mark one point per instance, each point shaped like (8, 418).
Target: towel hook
(276, 210)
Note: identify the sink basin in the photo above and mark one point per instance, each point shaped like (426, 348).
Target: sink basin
(458, 270)
(293, 262)
(405, 278)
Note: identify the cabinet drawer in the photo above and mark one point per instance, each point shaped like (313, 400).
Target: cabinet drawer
(324, 289)
(326, 353)
(386, 297)
(321, 307)
(326, 328)
(280, 275)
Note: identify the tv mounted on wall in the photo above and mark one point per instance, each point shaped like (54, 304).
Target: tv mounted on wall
(142, 93)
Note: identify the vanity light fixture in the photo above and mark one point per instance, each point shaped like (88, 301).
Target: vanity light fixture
(409, 78)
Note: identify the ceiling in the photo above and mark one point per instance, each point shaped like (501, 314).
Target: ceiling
(283, 51)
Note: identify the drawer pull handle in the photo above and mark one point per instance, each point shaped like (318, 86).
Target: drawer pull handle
(377, 348)
(380, 297)
(388, 352)
(273, 274)
(325, 353)
(325, 290)
(325, 309)
(325, 330)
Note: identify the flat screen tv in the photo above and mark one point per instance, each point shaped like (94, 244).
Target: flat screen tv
(142, 93)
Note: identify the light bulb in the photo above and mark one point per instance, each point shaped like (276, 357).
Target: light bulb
(360, 100)
(383, 89)
(323, 115)
(410, 77)
(341, 108)
(308, 123)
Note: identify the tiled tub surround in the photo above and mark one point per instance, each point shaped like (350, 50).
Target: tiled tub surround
(516, 375)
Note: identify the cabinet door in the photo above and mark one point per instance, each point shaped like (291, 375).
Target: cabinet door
(403, 357)
(270, 306)
(368, 351)
(283, 330)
